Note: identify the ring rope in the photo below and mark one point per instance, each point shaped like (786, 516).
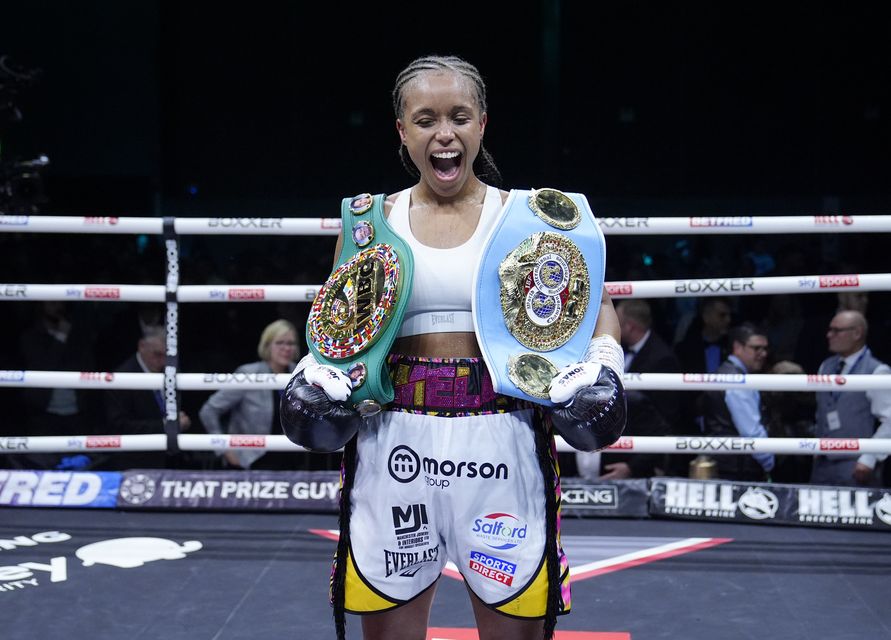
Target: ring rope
(637, 225)
(632, 381)
(636, 444)
(687, 288)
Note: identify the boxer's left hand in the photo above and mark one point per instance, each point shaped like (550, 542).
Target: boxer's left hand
(590, 406)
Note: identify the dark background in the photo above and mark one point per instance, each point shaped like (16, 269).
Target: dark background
(282, 108)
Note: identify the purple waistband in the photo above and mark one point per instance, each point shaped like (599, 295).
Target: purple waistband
(445, 387)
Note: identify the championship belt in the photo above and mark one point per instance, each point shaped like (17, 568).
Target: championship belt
(537, 290)
(356, 315)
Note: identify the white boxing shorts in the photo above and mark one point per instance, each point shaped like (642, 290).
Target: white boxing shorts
(428, 489)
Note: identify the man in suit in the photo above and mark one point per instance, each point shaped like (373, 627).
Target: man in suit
(136, 411)
(851, 414)
(737, 412)
(650, 413)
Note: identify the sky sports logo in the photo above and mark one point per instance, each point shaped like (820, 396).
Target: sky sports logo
(839, 444)
(836, 282)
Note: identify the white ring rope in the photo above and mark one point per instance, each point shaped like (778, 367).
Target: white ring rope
(637, 225)
(258, 381)
(689, 288)
(637, 444)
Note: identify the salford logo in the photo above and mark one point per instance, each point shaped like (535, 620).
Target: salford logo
(500, 530)
(620, 289)
(835, 282)
(413, 517)
(839, 444)
(247, 441)
(404, 464)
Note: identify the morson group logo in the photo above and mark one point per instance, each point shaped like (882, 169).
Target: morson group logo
(247, 294)
(839, 444)
(836, 282)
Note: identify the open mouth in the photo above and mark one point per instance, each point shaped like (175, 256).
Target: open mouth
(446, 164)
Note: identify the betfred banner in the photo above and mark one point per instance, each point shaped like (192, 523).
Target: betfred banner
(587, 499)
(235, 490)
(92, 489)
(762, 503)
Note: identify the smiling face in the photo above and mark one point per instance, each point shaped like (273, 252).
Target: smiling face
(442, 127)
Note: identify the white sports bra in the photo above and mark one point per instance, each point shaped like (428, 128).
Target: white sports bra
(443, 278)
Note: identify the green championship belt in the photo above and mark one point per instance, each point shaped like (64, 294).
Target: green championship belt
(357, 313)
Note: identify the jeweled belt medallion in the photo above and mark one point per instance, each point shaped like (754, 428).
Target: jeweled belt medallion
(545, 290)
(354, 306)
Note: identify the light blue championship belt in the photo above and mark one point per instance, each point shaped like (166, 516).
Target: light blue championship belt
(357, 313)
(537, 290)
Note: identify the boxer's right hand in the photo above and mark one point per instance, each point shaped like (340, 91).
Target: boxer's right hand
(313, 407)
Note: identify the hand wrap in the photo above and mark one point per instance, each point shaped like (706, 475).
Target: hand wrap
(313, 410)
(589, 397)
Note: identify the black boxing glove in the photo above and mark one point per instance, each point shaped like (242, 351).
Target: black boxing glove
(314, 413)
(589, 398)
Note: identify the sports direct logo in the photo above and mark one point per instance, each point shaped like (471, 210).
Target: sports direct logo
(492, 567)
(500, 530)
(835, 282)
(839, 444)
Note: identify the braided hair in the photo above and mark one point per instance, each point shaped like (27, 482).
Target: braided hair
(484, 165)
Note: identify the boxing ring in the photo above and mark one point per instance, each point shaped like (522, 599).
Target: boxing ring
(169, 555)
